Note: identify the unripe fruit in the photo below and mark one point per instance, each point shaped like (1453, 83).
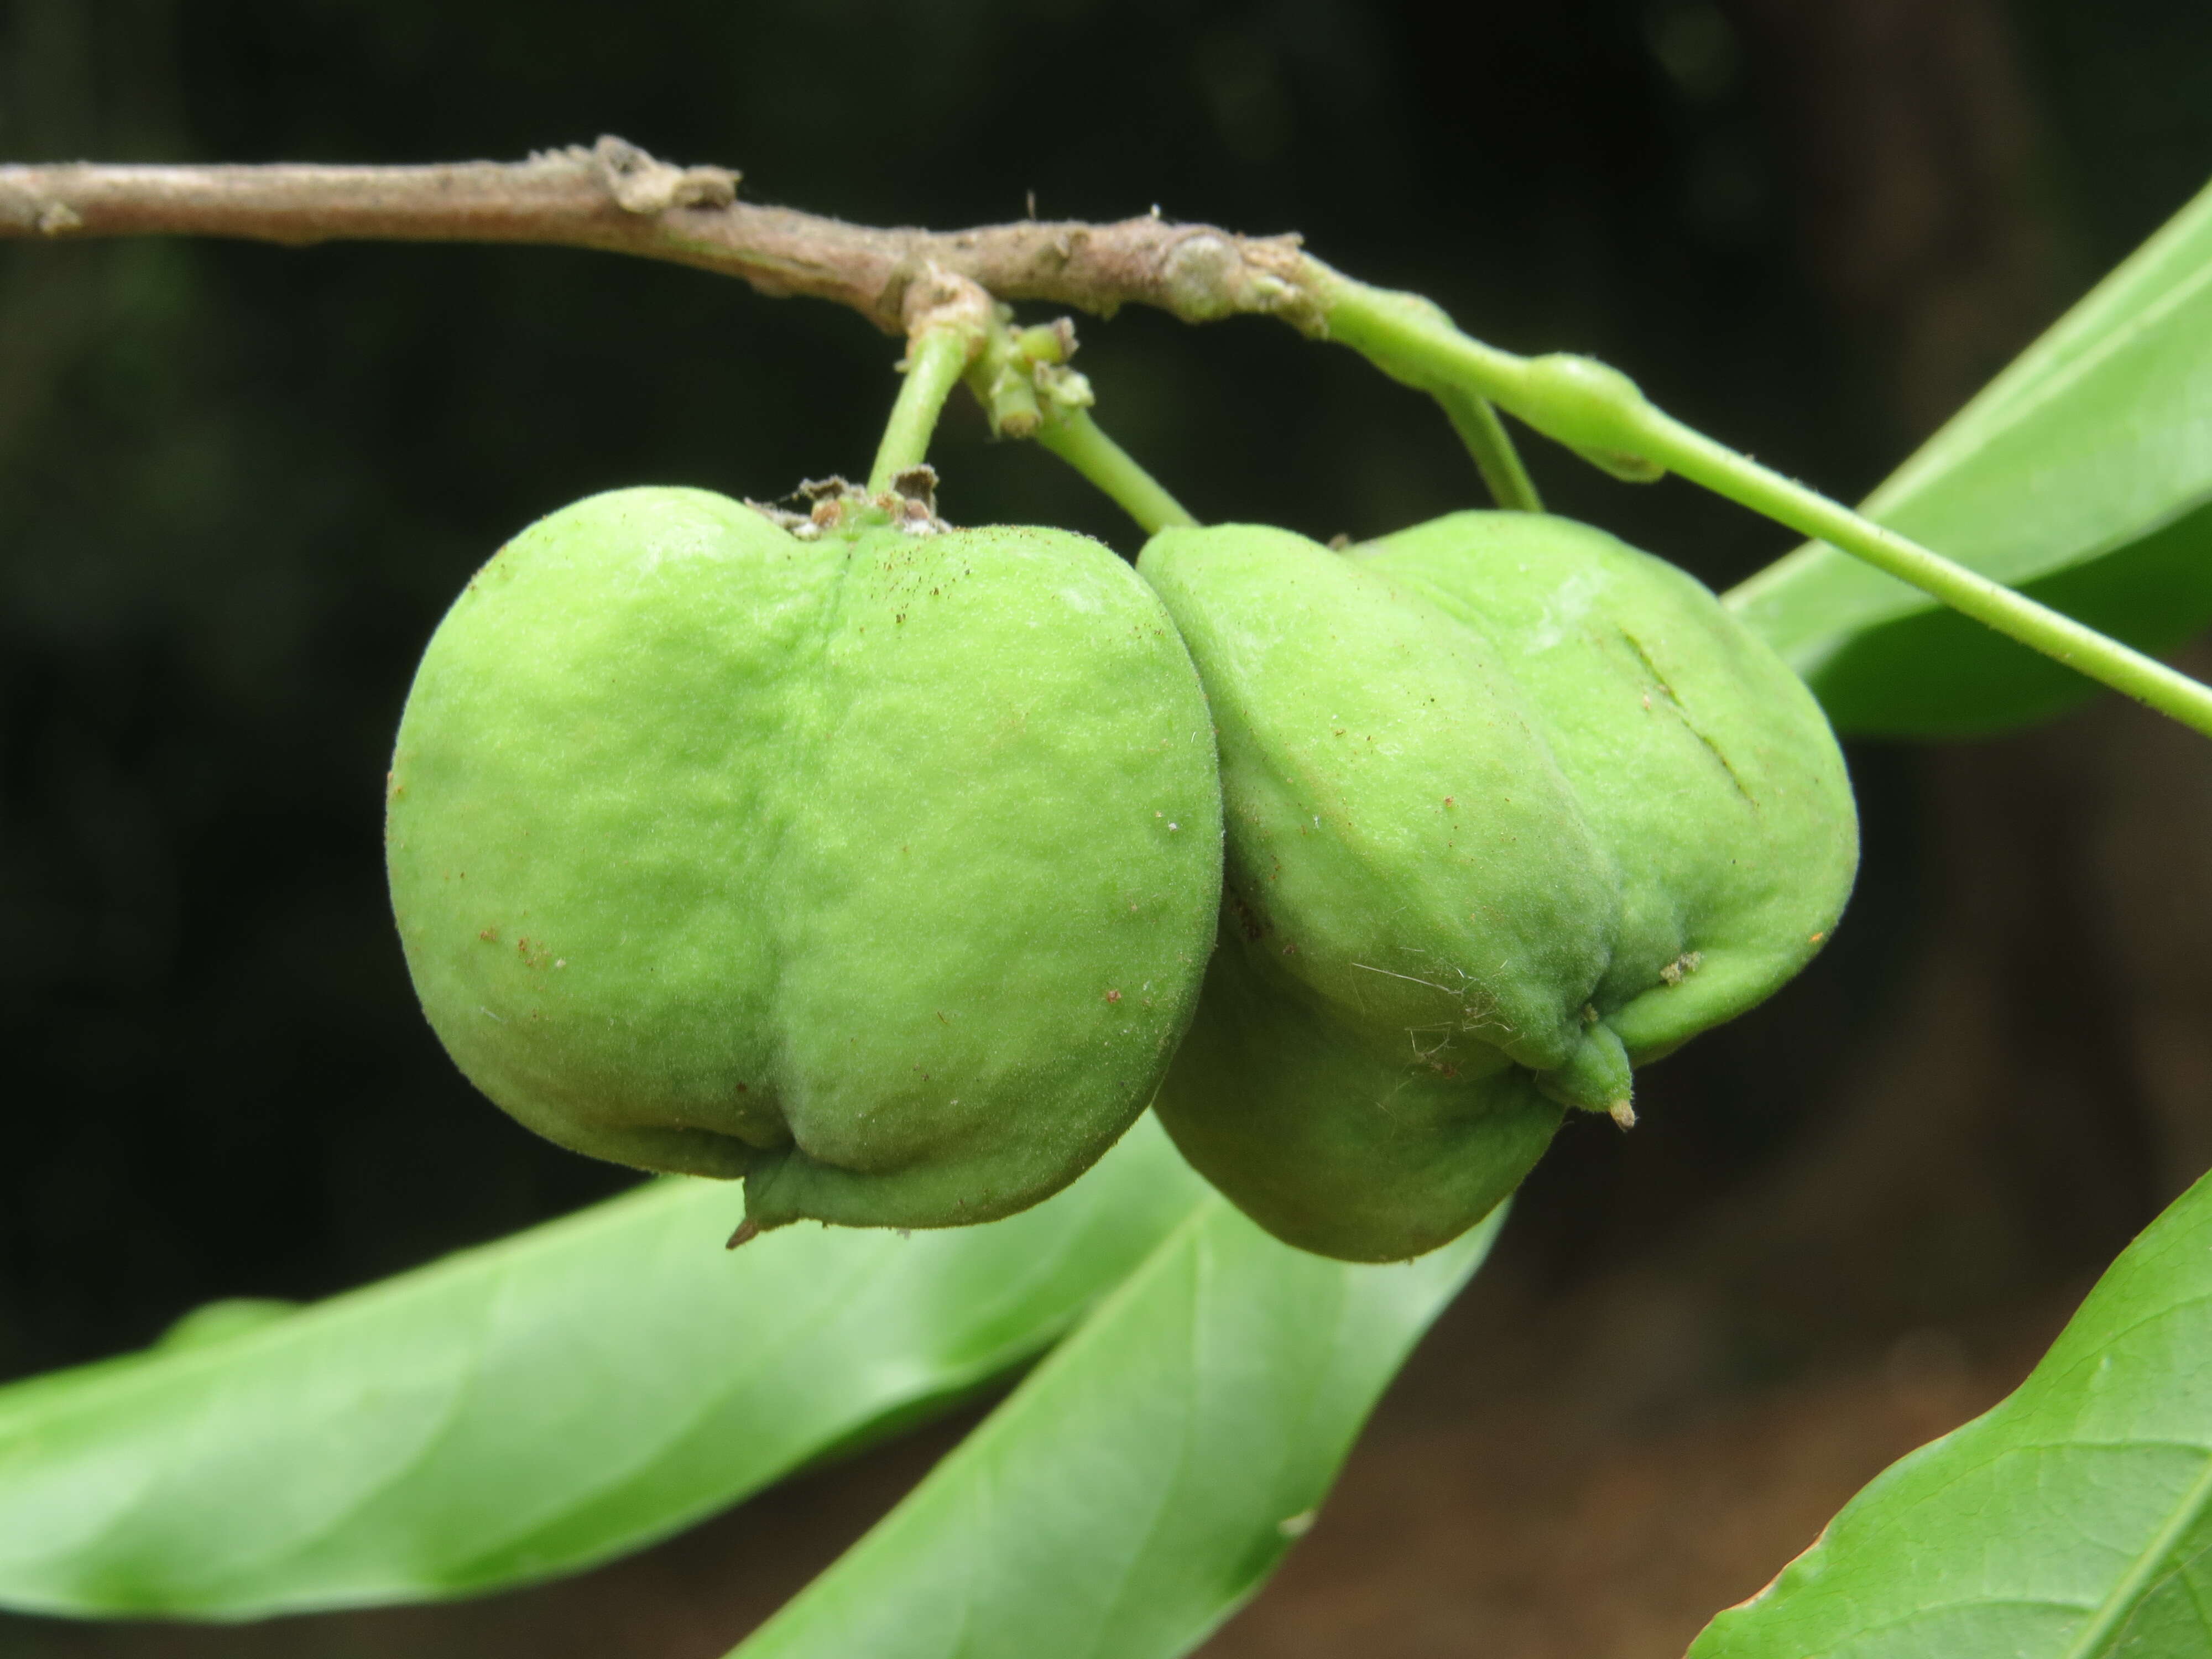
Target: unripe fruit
(879, 869)
(1510, 806)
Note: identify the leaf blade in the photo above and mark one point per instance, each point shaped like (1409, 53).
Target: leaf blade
(536, 1406)
(2071, 476)
(1142, 1482)
(2074, 1519)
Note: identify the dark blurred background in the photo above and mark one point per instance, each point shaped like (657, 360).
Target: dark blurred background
(238, 485)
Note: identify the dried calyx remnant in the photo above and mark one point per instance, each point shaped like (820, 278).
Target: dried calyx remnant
(834, 503)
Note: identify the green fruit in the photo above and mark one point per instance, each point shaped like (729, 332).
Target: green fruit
(1510, 807)
(877, 868)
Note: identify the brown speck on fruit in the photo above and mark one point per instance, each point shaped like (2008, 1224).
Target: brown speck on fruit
(1814, 939)
(490, 934)
(1448, 801)
(1247, 922)
(1113, 996)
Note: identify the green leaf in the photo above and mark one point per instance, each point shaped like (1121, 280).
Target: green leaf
(536, 1406)
(2081, 475)
(219, 1321)
(2073, 1520)
(202, 1326)
(1144, 1480)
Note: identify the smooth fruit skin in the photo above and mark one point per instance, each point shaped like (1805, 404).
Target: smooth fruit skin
(1699, 758)
(879, 871)
(1510, 807)
(1336, 1144)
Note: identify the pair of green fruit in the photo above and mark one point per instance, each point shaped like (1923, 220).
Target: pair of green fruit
(884, 869)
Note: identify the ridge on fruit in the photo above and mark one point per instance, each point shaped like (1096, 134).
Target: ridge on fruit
(877, 868)
(1511, 807)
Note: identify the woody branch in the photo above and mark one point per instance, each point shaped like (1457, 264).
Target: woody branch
(616, 197)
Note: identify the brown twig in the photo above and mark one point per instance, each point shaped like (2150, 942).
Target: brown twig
(615, 196)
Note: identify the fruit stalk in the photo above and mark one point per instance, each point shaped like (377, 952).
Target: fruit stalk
(1476, 422)
(934, 360)
(1078, 440)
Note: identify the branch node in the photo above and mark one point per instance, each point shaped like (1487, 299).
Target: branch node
(641, 184)
(930, 297)
(1197, 274)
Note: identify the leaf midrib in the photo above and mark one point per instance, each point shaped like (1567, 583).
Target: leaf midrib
(2127, 1593)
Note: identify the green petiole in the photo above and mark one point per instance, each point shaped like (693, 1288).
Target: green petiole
(2058, 636)
(1599, 412)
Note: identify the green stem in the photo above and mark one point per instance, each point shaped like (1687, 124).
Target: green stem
(1599, 412)
(2148, 680)
(1076, 439)
(934, 360)
(1485, 435)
